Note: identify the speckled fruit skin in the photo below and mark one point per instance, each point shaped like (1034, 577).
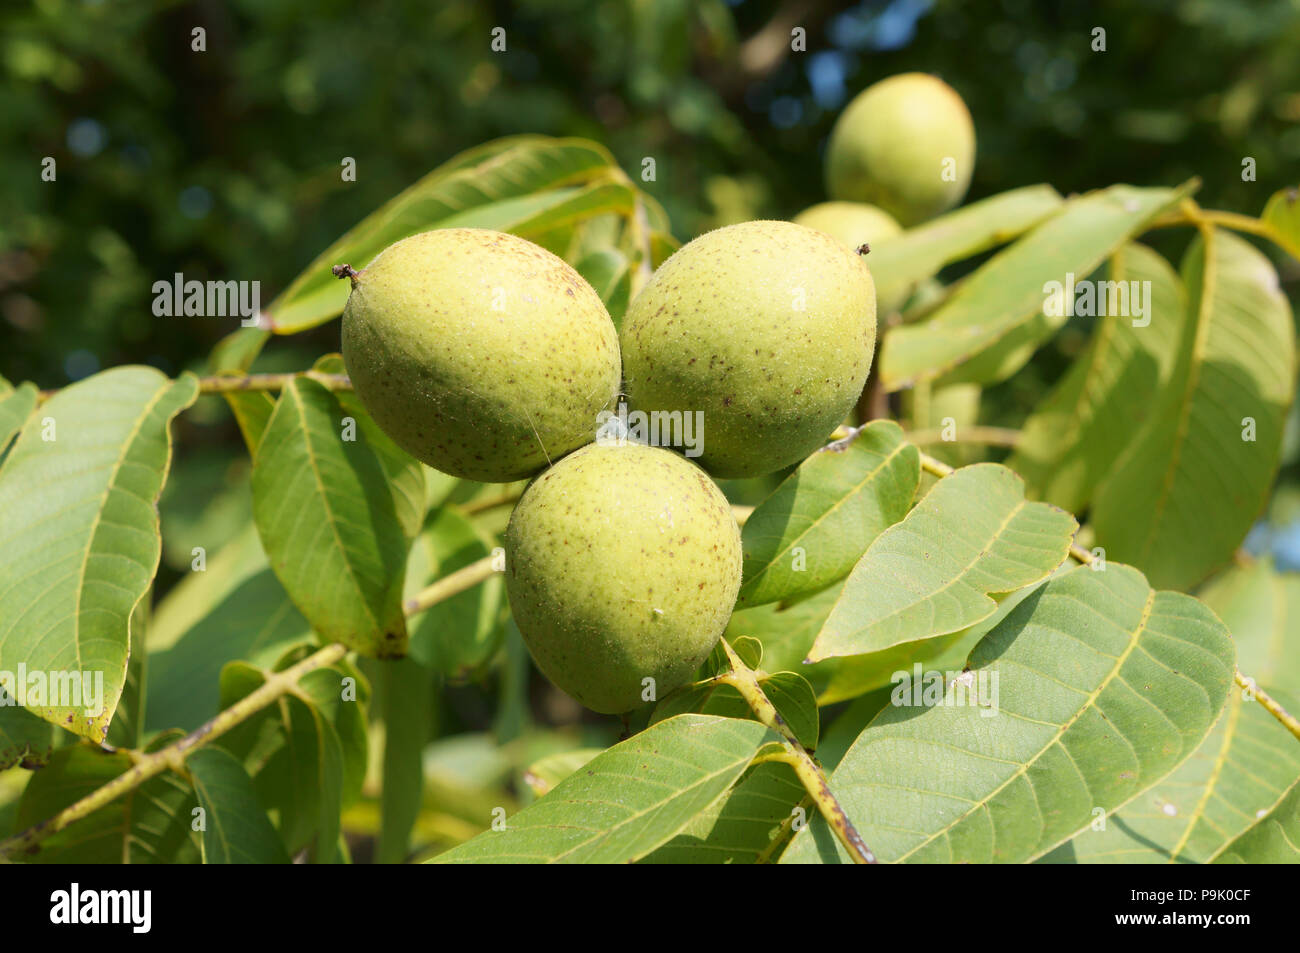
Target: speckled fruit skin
(856, 224)
(622, 563)
(889, 145)
(719, 329)
(483, 393)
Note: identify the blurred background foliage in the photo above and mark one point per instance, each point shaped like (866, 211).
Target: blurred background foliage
(225, 164)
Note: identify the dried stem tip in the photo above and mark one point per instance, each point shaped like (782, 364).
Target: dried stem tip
(863, 249)
(346, 271)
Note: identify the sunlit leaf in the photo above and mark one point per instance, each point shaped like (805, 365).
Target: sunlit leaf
(526, 184)
(1072, 439)
(934, 573)
(1196, 476)
(822, 517)
(1283, 213)
(628, 800)
(740, 824)
(79, 536)
(1010, 289)
(1093, 689)
(329, 522)
(900, 261)
(1272, 839)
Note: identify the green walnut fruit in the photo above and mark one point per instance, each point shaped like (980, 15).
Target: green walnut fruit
(479, 353)
(622, 563)
(763, 332)
(906, 144)
(857, 224)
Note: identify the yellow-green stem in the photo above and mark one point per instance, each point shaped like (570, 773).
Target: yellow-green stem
(1082, 556)
(805, 768)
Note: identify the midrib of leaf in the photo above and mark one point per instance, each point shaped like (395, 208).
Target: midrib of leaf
(1087, 394)
(1194, 816)
(329, 510)
(202, 789)
(99, 512)
(608, 832)
(959, 577)
(1196, 360)
(1055, 741)
(842, 501)
(1263, 815)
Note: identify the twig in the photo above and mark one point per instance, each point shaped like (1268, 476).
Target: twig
(451, 585)
(227, 384)
(146, 766)
(810, 774)
(1271, 705)
(989, 436)
(1082, 556)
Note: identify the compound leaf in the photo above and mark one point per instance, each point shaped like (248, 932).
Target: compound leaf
(1093, 688)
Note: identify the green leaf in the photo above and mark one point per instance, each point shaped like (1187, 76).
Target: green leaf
(750, 652)
(329, 522)
(492, 186)
(609, 271)
(128, 722)
(628, 800)
(234, 609)
(900, 261)
(739, 825)
(1008, 291)
(787, 634)
(1071, 441)
(1093, 689)
(974, 534)
(822, 517)
(236, 352)
(1181, 499)
(24, 739)
(149, 825)
(788, 692)
(79, 537)
(1243, 768)
(252, 410)
(1261, 607)
(236, 829)
(234, 355)
(1273, 839)
(404, 694)
(459, 635)
(306, 754)
(16, 405)
(1001, 360)
(546, 773)
(1237, 774)
(405, 474)
(1283, 213)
